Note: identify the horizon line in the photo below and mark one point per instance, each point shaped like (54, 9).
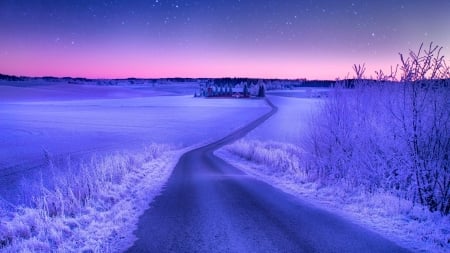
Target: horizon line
(159, 78)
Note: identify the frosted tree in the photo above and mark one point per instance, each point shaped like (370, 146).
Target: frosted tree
(389, 135)
(425, 117)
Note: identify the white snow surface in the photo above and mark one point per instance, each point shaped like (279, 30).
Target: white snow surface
(292, 121)
(65, 119)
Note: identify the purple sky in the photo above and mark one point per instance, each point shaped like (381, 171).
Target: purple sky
(214, 38)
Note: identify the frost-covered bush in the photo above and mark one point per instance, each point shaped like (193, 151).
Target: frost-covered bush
(388, 135)
(347, 138)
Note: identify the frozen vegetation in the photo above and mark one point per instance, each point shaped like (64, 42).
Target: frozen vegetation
(376, 152)
(92, 205)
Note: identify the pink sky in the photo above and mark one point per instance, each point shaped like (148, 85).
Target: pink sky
(101, 63)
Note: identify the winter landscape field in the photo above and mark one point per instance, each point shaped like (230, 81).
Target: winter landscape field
(224, 126)
(46, 125)
(45, 134)
(77, 171)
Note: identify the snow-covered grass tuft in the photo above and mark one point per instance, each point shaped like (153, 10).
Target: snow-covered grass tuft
(280, 158)
(92, 205)
(408, 223)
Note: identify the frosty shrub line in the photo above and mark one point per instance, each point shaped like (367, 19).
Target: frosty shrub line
(391, 135)
(81, 196)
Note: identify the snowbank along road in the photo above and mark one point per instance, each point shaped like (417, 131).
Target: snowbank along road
(210, 206)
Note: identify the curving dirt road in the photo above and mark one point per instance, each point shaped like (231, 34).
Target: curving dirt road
(210, 206)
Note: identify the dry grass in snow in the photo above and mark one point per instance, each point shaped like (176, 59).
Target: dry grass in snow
(94, 207)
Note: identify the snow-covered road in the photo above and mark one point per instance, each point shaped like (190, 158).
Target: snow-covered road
(210, 206)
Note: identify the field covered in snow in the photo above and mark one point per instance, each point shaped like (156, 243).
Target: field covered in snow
(277, 152)
(293, 119)
(80, 163)
(86, 160)
(37, 122)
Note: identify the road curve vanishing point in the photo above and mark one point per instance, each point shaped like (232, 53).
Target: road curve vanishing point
(208, 205)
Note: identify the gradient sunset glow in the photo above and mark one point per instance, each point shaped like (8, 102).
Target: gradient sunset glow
(161, 38)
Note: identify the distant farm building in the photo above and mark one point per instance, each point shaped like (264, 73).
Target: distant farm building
(240, 90)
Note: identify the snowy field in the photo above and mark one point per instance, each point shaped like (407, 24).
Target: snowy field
(305, 92)
(111, 130)
(58, 120)
(292, 121)
(273, 153)
(102, 154)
